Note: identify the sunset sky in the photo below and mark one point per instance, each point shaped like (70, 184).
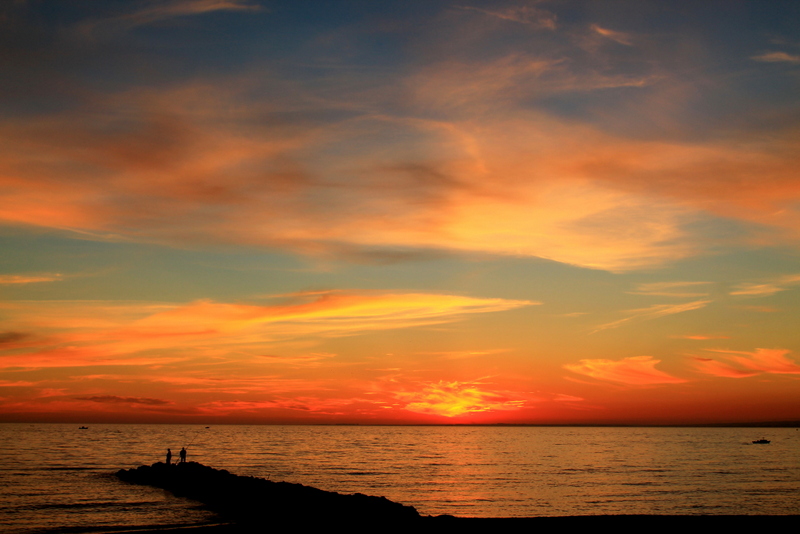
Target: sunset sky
(413, 211)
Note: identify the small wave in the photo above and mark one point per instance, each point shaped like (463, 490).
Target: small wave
(120, 529)
(88, 505)
(67, 468)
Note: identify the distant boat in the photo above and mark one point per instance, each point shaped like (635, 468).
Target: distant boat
(761, 441)
(83, 428)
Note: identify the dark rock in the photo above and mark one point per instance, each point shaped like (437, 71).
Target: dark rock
(255, 501)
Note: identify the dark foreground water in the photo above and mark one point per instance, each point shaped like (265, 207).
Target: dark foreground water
(58, 477)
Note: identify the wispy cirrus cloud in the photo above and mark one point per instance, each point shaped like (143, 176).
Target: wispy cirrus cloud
(465, 354)
(303, 360)
(114, 399)
(16, 383)
(714, 367)
(777, 57)
(653, 312)
(740, 364)
(9, 338)
(635, 371)
(619, 37)
(673, 289)
(504, 180)
(332, 313)
(29, 278)
(152, 12)
(310, 405)
(765, 289)
(236, 383)
(453, 155)
(98, 334)
(525, 14)
(701, 337)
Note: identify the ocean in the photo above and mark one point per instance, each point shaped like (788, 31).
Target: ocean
(59, 478)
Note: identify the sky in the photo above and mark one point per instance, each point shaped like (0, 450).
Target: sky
(402, 212)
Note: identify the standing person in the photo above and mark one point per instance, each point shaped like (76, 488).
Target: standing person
(169, 457)
(183, 454)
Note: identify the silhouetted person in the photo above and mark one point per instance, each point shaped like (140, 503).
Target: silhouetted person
(183, 454)
(169, 457)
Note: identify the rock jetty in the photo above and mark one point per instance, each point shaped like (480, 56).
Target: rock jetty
(255, 501)
(250, 505)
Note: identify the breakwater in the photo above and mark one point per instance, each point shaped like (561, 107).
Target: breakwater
(249, 500)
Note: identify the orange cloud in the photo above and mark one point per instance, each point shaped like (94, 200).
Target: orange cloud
(508, 182)
(465, 354)
(701, 337)
(453, 156)
(567, 398)
(451, 399)
(94, 333)
(330, 313)
(83, 356)
(114, 399)
(28, 279)
(771, 361)
(16, 383)
(636, 370)
(235, 383)
(305, 360)
(311, 405)
(713, 367)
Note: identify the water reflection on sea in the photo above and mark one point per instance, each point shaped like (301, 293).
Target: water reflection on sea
(58, 476)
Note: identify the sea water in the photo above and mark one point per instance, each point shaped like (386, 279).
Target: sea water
(59, 478)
